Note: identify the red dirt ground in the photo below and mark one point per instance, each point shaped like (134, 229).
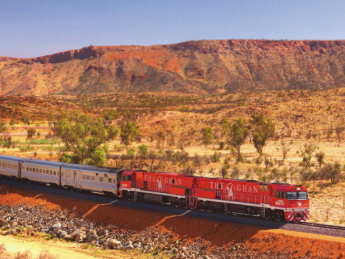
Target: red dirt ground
(216, 233)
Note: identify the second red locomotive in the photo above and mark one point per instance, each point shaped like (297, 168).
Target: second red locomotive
(283, 202)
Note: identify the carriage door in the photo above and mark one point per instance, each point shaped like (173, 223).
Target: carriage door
(79, 177)
(67, 174)
(75, 177)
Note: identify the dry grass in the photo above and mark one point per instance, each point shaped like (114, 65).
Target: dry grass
(300, 116)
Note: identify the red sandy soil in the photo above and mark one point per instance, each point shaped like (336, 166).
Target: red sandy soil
(215, 233)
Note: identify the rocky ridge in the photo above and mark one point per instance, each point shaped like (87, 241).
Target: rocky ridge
(201, 67)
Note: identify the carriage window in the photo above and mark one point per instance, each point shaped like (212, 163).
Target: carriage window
(61, 174)
(51, 172)
(88, 177)
(101, 179)
(84, 177)
(92, 178)
(109, 180)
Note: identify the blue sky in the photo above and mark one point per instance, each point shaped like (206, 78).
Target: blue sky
(31, 28)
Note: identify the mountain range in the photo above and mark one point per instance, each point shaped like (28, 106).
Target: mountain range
(199, 67)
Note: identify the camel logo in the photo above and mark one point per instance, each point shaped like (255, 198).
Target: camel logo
(230, 191)
(160, 183)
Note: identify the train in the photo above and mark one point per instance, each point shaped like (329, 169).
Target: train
(273, 201)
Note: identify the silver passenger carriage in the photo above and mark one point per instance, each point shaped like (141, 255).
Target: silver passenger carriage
(41, 171)
(90, 178)
(10, 165)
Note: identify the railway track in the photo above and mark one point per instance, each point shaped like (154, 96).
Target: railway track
(318, 225)
(306, 227)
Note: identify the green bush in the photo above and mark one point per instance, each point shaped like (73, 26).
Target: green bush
(27, 148)
(44, 141)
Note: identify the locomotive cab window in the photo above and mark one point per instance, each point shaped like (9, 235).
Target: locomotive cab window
(297, 195)
(302, 195)
(126, 178)
(281, 195)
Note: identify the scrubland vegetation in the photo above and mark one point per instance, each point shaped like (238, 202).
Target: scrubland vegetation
(283, 136)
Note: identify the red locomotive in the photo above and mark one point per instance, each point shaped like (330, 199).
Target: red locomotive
(283, 202)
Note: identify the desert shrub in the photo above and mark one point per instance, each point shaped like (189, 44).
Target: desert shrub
(130, 151)
(235, 173)
(189, 171)
(197, 160)
(169, 154)
(215, 157)
(27, 148)
(23, 255)
(49, 135)
(31, 132)
(143, 150)
(46, 255)
(48, 148)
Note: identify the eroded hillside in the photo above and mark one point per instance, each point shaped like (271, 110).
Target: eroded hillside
(192, 67)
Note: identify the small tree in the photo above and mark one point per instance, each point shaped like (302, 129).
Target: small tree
(13, 122)
(143, 150)
(160, 137)
(98, 157)
(26, 120)
(339, 131)
(263, 129)
(334, 172)
(31, 132)
(129, 130)
(307, 151)
(50, 118)
(320, 158)
(236, 134)
(84, 136)
(285, 150)
(207, 136)
(3, 128)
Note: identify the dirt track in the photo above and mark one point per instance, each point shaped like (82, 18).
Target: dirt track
(213, 232)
